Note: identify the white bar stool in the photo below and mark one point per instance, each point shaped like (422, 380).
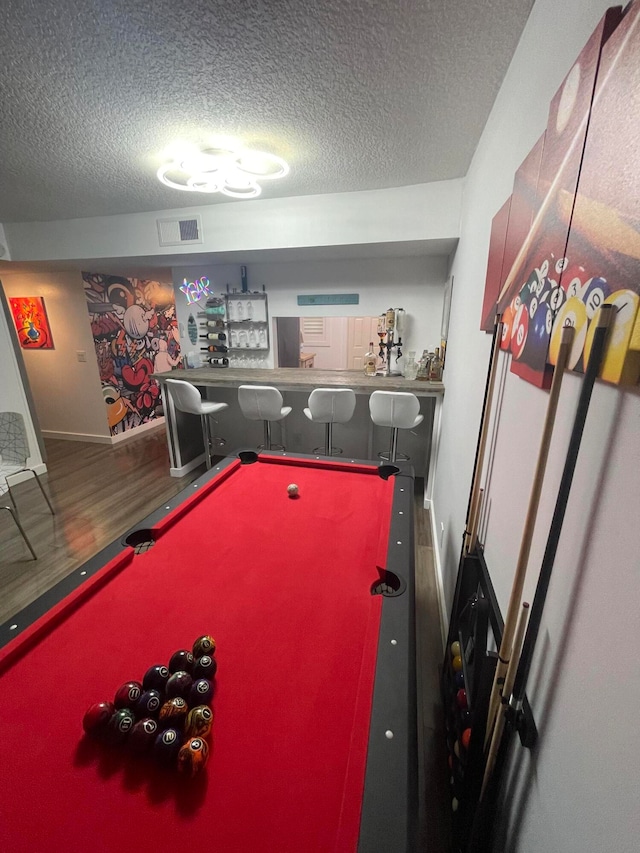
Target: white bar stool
(330, 406)
(263, 403)
(186, 397)
(398, 410)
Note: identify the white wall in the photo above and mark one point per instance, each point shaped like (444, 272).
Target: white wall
(12, 392)
(67, 393)
(580, 789)
(415, 284)
(421, 212)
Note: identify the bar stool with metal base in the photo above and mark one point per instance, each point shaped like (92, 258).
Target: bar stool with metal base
(398, 410)
(186, 398)
(263, 403)
(330, 406)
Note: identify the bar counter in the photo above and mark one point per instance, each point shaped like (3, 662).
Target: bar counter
(359, 438)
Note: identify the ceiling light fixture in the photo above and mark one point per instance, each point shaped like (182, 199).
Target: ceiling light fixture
(232, 172)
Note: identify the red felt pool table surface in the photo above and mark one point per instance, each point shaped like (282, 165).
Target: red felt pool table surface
(284, 587)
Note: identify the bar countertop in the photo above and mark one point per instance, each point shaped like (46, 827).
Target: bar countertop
(301, 379)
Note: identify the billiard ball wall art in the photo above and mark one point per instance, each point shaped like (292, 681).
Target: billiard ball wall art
(568, 239)
(168, 714)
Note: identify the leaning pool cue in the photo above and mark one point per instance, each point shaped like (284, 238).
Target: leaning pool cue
(504, 655)
(510, 677)
(471, 526)
(596, 357)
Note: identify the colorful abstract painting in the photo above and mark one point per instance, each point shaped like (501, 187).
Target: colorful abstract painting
(32, 323)
(135, 332)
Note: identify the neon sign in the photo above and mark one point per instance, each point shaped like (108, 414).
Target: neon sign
(195, 290)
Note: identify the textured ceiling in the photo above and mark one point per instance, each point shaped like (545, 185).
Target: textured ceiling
(354, 95)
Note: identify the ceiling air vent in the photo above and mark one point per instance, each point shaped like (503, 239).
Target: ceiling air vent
(178, 232)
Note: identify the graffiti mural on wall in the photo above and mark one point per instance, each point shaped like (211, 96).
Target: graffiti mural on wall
(135, 332)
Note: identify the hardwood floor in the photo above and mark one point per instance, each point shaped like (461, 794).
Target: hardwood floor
(99, 491)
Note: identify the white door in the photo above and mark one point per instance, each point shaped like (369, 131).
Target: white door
(361, 331)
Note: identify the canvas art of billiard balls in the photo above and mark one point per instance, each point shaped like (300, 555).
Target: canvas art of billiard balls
(167, 714)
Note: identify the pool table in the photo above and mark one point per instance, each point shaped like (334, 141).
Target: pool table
(311, 602)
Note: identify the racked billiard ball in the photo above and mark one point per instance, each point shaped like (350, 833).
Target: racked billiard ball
(120, 725)
(179, 684)
(127, 694)
(143, 734)
(167, 745)
(193, 756)
(155, 678)
(199, 721)
(205, 667)
(181, 661)
(173, 713)
(96, 718)
(149, 703)
(204, 645)
(459, 679)
(201, 692)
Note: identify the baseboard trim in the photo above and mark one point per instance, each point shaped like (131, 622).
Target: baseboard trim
(129, 435)
(187, 467)
(437, 562)
(77, 436)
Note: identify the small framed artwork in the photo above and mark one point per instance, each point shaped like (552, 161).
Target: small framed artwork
(31, 321)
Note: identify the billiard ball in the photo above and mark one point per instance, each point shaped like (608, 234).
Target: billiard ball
(193, 756)
(127, 695)
(573, 313)
(205, 667)
(560, 265)
(181, 661)
(179, 684)
(455, 648)
(96, 718)
(572, 280)
(204, 645)
(155, 678)
(456, 749)
(623, 328)
(465, 738)
(556, 298)
(454, 804)
(292, 490)
(142, 736)
(519, 332)
(199, 721)
(173, 713)
(507, 322)
(594, 293)
(456, 663)
(120, 725)
(148, 704)
(201, 692)
(465, 718)
(459, 679)
(535, 351)
(167, 745)
(461, 698)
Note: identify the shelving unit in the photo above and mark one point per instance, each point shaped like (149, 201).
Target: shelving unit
(247, 322)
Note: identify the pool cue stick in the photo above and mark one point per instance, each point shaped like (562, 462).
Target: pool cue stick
(527, 533)
(510, 677)
(471, 526)
(596, 357)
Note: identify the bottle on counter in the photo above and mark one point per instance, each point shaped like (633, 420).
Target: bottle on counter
(370, 361)
(422, 372)
(435, 367)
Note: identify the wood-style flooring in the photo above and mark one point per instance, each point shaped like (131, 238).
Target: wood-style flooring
(99, 491)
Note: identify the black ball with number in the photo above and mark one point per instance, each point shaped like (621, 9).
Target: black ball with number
(142, 736)
(179, 684)
(155, 678)
(201, 692)
(181, 661)
(167, 746)
(205, 667)
(120, 725)
(149, 703)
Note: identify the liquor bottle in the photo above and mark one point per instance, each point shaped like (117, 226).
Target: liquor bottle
(210, 348)
(211, 336)
(218, 362)
(216, 324)
(410, 366)
(435, 367)
(423, 367)
(370, 361)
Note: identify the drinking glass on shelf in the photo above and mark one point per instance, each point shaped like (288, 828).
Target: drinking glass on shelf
(239, 311)
(263, 337)
(234, 338)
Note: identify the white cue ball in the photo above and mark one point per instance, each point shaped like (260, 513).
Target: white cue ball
(292, 490)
